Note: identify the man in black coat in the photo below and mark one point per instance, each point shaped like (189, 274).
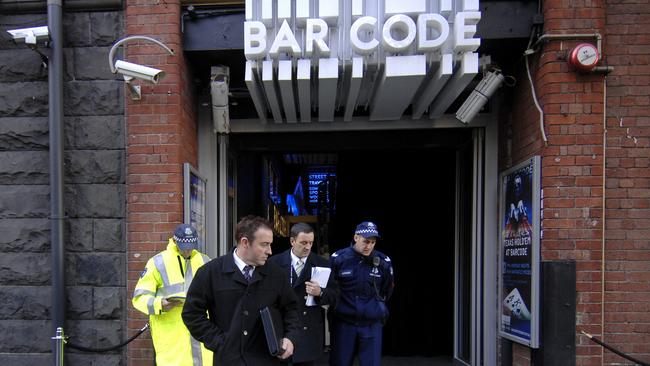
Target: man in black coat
(222, 308)
(312, 318)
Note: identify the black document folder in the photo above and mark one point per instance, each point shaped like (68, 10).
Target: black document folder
(272, 322)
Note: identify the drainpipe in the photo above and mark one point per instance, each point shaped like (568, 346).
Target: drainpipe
(55, 82)
(596, 36)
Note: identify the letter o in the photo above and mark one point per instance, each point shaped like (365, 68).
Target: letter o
(403, 23)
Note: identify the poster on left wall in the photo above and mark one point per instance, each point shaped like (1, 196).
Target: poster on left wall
(194, 202)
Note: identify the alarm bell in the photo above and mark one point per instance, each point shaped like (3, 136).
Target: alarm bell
(584, 57)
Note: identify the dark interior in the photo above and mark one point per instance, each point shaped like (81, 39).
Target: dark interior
(402, 180)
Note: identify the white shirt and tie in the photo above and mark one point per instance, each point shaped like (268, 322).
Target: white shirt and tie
(245, 269)
(297, 263)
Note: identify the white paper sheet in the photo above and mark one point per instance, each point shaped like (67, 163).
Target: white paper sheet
(320, 275)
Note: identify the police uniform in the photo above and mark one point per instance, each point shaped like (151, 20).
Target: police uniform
(365, 283)
(168, 274)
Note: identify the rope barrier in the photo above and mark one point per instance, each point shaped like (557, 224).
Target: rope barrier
(111, 348)
(625, 356)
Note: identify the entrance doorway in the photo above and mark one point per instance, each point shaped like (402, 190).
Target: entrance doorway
(384, 177)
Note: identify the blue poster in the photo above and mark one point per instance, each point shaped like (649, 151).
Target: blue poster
(519, 247)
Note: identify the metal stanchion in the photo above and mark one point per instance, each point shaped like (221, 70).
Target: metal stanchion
(60, 341)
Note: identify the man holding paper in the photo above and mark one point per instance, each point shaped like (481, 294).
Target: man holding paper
(160, 293)
(309, 276)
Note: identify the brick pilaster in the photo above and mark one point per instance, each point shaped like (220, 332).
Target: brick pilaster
(572, 161)
(161, 136)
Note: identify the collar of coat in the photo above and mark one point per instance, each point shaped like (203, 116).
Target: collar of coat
(229, 266)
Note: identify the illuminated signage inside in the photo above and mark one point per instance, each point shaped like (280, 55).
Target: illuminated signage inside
(323, 55)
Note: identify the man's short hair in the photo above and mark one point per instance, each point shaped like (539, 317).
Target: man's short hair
(301, 227)
(247, 226)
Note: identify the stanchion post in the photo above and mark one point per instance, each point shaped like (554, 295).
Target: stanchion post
(60, 342)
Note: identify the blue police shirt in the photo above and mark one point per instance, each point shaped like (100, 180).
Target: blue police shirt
(365, 284)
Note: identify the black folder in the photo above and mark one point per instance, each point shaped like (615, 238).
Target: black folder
(272, 322)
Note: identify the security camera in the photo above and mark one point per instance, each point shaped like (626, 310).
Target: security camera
(479, 96)
(132, 70)
(30, 36)
(219, 80)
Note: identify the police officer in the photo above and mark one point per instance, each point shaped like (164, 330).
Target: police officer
(365, 278)
(160, 293)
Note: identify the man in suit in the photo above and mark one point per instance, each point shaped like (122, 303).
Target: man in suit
(223, 303)
(296, 264)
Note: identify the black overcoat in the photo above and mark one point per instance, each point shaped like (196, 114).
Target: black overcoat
(222, 311)
(311, 318)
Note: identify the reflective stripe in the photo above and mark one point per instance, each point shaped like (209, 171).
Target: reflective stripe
(188, 274)
(159, 261)
(152, 310)
(141, 291)
(197, 357)
(206, 259)
(171, 290)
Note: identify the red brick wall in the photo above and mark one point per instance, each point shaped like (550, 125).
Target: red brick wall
(572, 161)
(627, 301)
(573, 165)
(520, 355)
(161, 132)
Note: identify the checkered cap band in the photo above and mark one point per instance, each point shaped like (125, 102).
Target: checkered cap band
(367, 229)
(185, 236)
(185, 240)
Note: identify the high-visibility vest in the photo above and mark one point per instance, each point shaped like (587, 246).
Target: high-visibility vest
(168, 274)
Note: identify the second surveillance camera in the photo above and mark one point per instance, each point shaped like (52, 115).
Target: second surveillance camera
(129, 69)
(30, 36)
(479, 96)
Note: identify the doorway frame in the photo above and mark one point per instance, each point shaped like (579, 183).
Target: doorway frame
(213, 162)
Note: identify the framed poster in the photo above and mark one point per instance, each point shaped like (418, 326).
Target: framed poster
(194, 199)
(519, 256)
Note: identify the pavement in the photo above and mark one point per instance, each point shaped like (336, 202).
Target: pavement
(401, 361)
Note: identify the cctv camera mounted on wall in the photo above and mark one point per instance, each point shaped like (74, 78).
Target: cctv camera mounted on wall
(219, 80)
(132, 71)
(479, 96)
(30, 36)
(136, 71)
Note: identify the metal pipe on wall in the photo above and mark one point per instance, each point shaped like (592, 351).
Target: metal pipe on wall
(55, 119)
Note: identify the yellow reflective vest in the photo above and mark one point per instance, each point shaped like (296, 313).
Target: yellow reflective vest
(168, 274)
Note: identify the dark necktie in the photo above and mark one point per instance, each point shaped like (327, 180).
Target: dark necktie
(247, 272)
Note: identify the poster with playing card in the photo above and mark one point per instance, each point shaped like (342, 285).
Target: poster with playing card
(519, 207)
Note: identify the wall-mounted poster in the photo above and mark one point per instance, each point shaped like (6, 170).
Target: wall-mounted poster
(194, 198)
(519, 252)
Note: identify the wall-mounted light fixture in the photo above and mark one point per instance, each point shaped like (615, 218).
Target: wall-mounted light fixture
(479, 96)
(132, 71)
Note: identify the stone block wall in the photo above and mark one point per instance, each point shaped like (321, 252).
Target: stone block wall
(95, 194)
